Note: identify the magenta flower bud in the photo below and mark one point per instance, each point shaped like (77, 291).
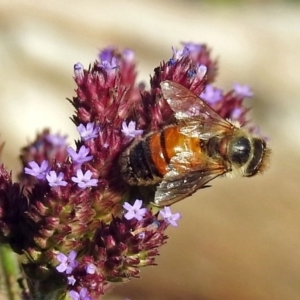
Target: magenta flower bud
(78, 71)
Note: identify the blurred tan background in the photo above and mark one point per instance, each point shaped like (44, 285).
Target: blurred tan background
(239, 239)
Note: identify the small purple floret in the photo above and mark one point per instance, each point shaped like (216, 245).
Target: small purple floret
(129, 130)
(106, 54)
(82, 295)
(37, 171)
(56, 180)
(110, 65)
(80, 157)
(192, 47)
(88, 132)
(84, 180)
(211, 95)
(90, 268)
(169, 217)
(128, 55)
(178, 54)
(242, 90)
(134, 211)
(71, 280)
(236, 113)
(56, 140)
(67, 263)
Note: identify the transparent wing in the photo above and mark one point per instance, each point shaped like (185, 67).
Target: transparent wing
(194, 116)
(188, 172)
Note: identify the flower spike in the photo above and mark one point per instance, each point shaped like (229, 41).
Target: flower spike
(86, 217)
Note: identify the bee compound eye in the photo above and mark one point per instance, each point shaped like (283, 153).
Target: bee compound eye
(258, 157)
(240, 150)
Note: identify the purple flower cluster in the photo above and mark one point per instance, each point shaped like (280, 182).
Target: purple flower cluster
(136, 211)
(78, 218)
(75, 274)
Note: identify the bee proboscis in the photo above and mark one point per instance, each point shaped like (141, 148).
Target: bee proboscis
(183, 157)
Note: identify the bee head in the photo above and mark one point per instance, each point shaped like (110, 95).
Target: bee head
(250, 154)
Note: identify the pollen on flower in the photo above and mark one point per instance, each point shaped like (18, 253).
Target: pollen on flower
(37, 171)
(129, 130)
(134, 211)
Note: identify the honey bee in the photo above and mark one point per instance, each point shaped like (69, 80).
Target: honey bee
(183, 157)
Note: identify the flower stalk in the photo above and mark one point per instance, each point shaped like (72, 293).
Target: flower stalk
(10, 272)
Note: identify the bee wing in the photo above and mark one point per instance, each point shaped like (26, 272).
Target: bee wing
(188, 172)
(193, 114)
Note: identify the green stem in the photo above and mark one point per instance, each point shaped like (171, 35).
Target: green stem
(11, 272)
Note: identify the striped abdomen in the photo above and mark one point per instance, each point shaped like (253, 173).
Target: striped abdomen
(145, 162)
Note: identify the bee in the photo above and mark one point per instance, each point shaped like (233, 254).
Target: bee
(183, 157)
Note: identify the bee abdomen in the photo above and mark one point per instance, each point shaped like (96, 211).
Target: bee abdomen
(137, 166)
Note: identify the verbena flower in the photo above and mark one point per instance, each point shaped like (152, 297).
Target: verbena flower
(89, 131)
(134, 211)
(71, 280)
(81, 156)
(56, 139)
(242, 90)
(46, 146)
(55, 179)
(129, 130)
(90, 268)
(67, 263)
(84, 180)
(38, 171)
(82, 295)
(169, 217)
(211, 95)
